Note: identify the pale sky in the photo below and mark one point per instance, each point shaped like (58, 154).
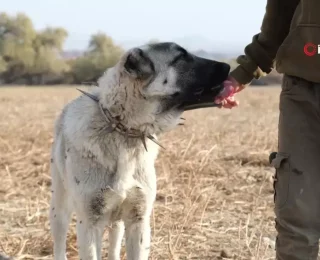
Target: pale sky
(214, 25)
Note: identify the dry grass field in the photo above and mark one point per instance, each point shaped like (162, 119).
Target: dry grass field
(215, 195)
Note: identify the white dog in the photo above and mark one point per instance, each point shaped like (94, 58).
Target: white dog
(102, 160)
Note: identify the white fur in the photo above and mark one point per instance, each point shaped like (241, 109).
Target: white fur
(103, 178)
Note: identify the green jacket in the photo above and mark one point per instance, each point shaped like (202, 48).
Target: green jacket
(288, 28)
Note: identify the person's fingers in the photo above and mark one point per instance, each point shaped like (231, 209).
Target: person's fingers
(230, 102)
(239, 88)
(218, 100)
(229, 106)
(226, 98)
(227, 91)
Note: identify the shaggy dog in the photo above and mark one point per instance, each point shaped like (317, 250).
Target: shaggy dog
(105, 146)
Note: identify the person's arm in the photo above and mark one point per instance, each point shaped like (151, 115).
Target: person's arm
(261, 52)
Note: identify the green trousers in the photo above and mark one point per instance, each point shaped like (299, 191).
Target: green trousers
(297, 171)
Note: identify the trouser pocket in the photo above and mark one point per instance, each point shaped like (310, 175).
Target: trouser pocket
(281, 179)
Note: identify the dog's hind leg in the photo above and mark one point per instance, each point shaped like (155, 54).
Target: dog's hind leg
(60, 214)
(115, 238)
(138, 239)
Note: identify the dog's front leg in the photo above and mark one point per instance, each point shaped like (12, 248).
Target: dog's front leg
(89, 238)
(138, 239)
(115, 238)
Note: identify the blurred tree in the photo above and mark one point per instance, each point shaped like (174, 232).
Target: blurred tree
(3, 65)
(26, 54)
(48, 61)
(84, 70)
(16, 38)
(102, 54)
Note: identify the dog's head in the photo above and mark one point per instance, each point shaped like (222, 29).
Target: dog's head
(163, 80)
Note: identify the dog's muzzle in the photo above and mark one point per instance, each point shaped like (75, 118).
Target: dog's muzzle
(206, 85)
(203, 99)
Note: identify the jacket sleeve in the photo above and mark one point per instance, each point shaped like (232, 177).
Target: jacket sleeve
(261, 52)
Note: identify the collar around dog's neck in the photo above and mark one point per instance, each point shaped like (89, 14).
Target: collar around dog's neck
(116, 125)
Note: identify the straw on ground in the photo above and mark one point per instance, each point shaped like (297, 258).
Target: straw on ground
(215, 196)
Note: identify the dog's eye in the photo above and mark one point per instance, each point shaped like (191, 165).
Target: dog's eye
(165, 81)
(182, 56)
(183, 51)
(176, 59)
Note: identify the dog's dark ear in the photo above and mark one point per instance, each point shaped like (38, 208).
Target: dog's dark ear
(138, 65)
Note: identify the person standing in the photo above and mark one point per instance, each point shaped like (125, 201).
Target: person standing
(288, 42)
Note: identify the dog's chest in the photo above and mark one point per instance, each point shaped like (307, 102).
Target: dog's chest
(128, 195)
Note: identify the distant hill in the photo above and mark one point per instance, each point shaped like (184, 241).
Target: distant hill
(215, 55)
(71, 54)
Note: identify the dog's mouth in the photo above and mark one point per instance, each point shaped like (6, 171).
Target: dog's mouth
(202, 98)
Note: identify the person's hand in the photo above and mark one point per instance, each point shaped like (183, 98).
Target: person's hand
(226, 97)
